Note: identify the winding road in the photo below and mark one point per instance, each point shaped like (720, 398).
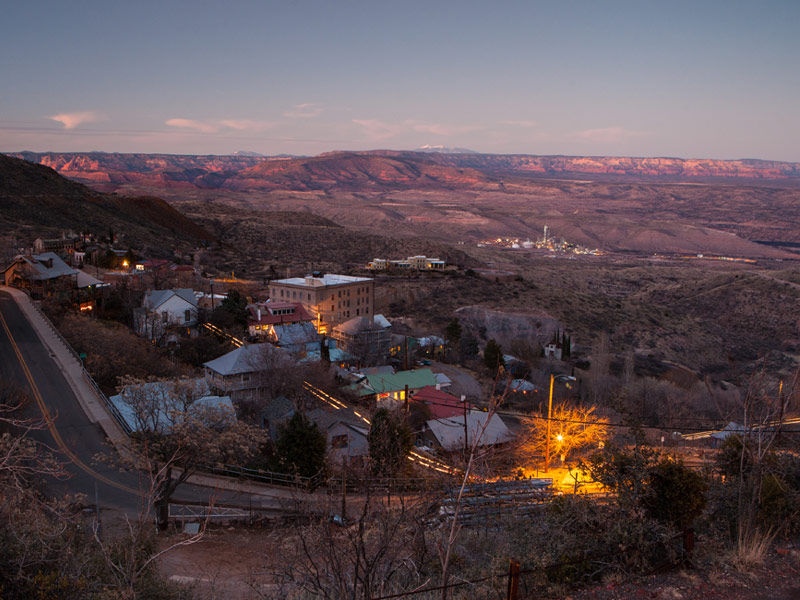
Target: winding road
(30, 364)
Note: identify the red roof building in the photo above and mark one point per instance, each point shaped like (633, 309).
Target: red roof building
(266, 314)
(441, 404)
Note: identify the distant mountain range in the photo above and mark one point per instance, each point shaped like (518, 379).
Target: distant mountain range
(384, 169)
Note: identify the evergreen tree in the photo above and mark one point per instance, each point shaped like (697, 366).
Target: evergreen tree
(301, 447)
(235, 305)
(389, 443)
(493, 356)
(324, 351)
(452, 335)
(452, 332)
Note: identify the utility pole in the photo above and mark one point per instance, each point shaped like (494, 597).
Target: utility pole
(780, 399)
(405, 398)
(549, 414)
(466, 431)
(513, 580)
(344, 486)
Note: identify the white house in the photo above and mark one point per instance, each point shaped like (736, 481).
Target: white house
(554, 349)
(164, 310)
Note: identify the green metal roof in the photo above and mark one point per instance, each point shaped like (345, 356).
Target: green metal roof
(394, 382)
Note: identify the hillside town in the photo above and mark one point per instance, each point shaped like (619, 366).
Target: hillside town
(301, 386)
(322, 325)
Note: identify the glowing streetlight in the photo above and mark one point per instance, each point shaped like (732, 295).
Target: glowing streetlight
(553, 379)
(560, 437)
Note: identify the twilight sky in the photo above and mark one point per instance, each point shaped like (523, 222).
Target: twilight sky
(703, 79)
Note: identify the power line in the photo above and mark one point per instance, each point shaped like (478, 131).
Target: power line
(596, 422)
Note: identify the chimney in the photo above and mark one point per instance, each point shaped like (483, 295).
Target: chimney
(258, 313)
(438, 386)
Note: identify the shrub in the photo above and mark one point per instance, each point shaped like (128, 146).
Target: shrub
(674, 494)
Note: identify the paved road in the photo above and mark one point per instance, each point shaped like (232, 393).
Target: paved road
(27, 362)
(21, 351)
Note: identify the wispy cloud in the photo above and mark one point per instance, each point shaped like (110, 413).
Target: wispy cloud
(608, 134)
(72, 120)
(246, 124)
(202, 126)
(214, 126)
(308, 110)
(381, 130)
(519, 123)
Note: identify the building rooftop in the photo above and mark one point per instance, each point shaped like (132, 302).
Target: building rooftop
(155, 298)
(295, 334)
(441, 404)
(324, 280)
(267, 317)
(382, 321)
(449, 432)
(522, 385)
(246, 359)
(86, 280)
(164, 409)
(394, 382)
(47, 265)
(357, 325)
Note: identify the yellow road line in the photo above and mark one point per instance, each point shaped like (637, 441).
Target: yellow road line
(49, 419)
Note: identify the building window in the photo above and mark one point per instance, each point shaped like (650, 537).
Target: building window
(187, 316)
(339, 441)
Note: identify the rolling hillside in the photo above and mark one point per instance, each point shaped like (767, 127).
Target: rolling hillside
(35, 201)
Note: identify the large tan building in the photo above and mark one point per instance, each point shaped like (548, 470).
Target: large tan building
(331, 299)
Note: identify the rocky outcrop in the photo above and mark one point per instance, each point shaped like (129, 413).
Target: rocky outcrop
(504, 327)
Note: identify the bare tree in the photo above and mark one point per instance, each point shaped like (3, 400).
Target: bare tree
(572, 428)
(374, 553)
(130, 557)
(187, 436)
(473, 456)
(763, 413)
